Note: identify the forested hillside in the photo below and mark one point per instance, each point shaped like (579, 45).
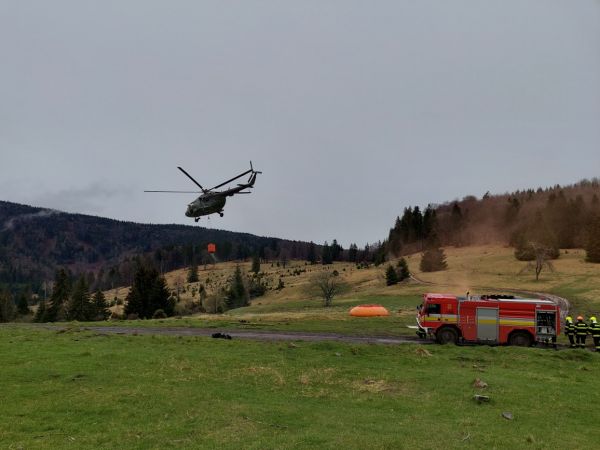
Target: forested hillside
(34, 242)
(557, 217)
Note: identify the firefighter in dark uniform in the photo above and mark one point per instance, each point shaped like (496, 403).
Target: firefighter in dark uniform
(595, 331)
(570, 330)
(581, 331)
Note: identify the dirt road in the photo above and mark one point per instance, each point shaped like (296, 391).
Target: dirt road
(244, 334)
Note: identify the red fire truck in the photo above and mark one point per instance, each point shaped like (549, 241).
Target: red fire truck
(488, 319)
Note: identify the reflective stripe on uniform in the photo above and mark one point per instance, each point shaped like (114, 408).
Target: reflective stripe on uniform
(595, 329)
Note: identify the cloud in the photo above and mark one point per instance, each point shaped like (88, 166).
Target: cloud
(88, 199)
(10, 223)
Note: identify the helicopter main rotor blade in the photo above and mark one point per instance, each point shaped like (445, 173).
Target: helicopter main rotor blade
(177, 192)
(191, 178)
(229, 181)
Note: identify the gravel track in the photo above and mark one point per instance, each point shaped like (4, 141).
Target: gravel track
(243, 334)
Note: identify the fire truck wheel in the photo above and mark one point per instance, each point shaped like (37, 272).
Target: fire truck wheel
(447, 335)
(520, 339)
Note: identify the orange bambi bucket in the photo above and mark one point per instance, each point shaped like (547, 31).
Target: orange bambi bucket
(369, 311)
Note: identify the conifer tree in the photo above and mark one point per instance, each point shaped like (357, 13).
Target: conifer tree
(22, 305)
(59, 298)
(379, 254)
(336, 250)
(148, 293)
(160, 297)
(192, 276)
(312, 253)
(403, 272)
(429, 221)
(394, 239)
(101, 310)
(326, 256)
(353, 253)
(417, 223)
(434, 258)
(391, 277)
(40, 314)
(80, 306)
(255, 264)
(237, 295)
(8, 311)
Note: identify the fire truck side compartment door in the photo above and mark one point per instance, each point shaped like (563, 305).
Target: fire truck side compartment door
(487, 324)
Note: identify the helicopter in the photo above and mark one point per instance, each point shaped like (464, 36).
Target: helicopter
(211, 201)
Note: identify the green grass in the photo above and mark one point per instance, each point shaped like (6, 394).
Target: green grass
(82, 390)
(303, 315)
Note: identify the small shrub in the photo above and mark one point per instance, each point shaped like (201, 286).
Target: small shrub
(280, 285)
(159, 314)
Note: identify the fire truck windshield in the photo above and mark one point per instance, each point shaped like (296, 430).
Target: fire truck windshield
(434, 308)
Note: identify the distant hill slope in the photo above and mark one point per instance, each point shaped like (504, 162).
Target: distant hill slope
(559, 216)
(35, 241)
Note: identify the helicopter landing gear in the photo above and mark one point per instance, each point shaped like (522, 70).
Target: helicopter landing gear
(196, 219)
(221, 214)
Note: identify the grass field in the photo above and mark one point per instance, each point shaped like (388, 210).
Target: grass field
(82, 390)
(78, 389)
(475, 269)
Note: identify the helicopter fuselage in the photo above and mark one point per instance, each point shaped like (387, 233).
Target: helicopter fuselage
(212, 201)
(205, 205)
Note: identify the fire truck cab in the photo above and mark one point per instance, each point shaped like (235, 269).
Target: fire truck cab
(488, 319)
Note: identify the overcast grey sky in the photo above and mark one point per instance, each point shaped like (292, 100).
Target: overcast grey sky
(352, 109)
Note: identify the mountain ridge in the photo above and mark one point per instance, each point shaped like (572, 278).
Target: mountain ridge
(35, 241)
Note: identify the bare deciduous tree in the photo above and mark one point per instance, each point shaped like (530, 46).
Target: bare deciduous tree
(542, 259)
(326, 285)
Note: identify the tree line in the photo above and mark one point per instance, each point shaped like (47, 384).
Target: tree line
(530, 220)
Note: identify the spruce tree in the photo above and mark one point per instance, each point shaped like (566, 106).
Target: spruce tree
(60, 297)
(148, 293)
(160, 297)
(353, 253)
(192, 276)
(429, 221)
(336, 250)
(80, 306)
(434, 258)
(101, 310)
(40, 314)
(391, 277)
(312, 253)
(394, 245)
(22, 305)
(8, 311)
(417, 223)
(237, 295)
(326, 256)
(403, 272)
(256, 264)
